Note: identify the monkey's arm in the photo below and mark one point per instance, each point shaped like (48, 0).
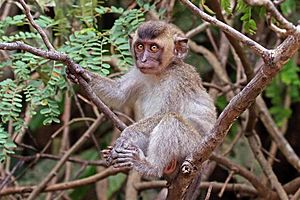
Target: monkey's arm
(114, 93)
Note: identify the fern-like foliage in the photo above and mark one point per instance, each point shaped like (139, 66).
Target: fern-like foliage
(39, 85)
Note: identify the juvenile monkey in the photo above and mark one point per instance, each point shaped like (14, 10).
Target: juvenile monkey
(173, 109)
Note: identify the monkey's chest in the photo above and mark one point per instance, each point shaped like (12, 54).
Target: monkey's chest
(150, 103)
(156, 102)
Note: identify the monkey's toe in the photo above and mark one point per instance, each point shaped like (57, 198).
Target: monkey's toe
(122, 160)
(121, 165)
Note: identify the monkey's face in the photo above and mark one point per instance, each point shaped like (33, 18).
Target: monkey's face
(149, 55)
(155, 44)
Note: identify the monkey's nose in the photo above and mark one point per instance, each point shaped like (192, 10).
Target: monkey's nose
(144, 59)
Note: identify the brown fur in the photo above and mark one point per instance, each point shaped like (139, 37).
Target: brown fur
(173, 109)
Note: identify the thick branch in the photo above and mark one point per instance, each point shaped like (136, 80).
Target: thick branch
(275, 60)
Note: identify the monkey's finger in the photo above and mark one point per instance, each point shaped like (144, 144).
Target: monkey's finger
(86, 77)
(109, 161)
(124, 151)
(79, 69)
(105, 151)
(72, 78)
(121, 160)
(132, 148)
(106, 154)
(121, 165)
(124, 155)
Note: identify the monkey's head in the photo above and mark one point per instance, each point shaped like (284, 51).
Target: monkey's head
(156, 44)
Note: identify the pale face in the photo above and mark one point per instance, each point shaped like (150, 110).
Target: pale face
(151, 56)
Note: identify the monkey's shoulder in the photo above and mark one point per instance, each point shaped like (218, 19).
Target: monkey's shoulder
(186, 77)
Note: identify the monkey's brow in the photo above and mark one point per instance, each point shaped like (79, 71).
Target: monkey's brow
(147, 41)
(150, 32)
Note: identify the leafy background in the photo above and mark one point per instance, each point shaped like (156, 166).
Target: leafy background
(95, 34)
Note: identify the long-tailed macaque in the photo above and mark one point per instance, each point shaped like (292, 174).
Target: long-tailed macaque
(172, 107)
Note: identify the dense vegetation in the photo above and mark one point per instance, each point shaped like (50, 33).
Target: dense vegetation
(43, 114)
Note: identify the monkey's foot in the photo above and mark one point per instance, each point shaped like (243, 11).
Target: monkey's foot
(126, 157)
(107, 155)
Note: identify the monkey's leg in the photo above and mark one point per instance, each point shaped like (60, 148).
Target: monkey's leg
(136, 135)
(170, 141)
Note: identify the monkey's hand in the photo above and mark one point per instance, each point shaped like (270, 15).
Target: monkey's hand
(107, 155)
(74, 74)
(128, 157)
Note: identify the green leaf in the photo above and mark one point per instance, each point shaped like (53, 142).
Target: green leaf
(123, 47)
(47, 121)
(225, 4)
(45, 111)
(56, 120)
(288, 7)
(105, 71)
(105, 65)
(9, 145)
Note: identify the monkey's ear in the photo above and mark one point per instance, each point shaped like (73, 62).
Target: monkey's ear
(181, 47)
(130, 36)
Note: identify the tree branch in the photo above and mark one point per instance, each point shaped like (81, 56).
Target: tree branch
(64, 186)
(274, 60)
(274, 12)
(36, 26)
(257, 48)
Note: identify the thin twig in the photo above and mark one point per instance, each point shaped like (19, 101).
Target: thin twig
(277, 137)
(262, 190)
(226, 183)
(257, 48)
(209, 192)
(268, 4)
(62, 128)
(197, 30)
(36, 26)
(64, 158)
(7, 178)
(54, 157)
(64, 186)
(255, 145)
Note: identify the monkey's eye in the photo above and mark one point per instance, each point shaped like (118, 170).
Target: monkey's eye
(154, 48)
(140, 47)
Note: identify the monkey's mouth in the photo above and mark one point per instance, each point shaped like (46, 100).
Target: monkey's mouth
(147, 70)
